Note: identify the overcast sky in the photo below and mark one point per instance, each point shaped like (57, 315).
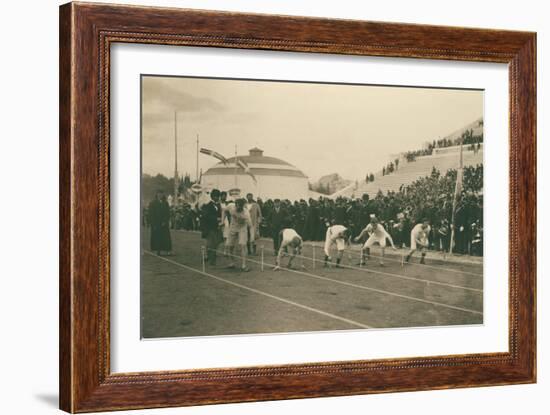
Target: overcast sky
(320, 128)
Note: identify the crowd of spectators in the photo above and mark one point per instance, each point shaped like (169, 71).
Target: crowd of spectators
(473, 142)
(390, 167)
(428, 197)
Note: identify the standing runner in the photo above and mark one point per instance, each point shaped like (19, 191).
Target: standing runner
(339, 235)
(377, 234)
(255, 218)
(224, 203)
(419, 240)
(238, 232)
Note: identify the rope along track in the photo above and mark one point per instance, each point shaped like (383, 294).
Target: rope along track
(244, 287)
(388, 274)
(386, 258)
(349, 284)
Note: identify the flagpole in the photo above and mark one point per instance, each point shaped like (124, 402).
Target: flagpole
(453, 215)
(197, 172)
(236, 166)
(175, 157)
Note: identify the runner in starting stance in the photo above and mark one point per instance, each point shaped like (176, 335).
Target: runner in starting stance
(290, 240)
(339, 235)
(419, 239)
(377, 234)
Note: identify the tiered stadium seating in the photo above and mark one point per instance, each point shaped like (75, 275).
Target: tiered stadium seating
(410, 171)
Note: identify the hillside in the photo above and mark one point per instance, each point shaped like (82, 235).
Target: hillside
(329, 184)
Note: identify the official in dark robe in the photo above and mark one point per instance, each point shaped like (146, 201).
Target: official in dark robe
(211, 222)
(158, 218)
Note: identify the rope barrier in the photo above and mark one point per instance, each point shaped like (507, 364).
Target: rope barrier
(405, 277)
(402, 260)
(428, 282)
(413, 263)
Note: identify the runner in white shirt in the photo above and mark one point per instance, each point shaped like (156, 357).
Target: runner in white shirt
(255, 218)
(290, 240)
(339, 235)
(377, 234)
(419, 239)
(225, 220)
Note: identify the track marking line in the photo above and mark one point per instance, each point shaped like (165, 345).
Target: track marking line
(405, 277)
(244, 287)
(434, 303)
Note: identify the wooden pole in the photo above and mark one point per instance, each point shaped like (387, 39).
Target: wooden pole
(203, 258)
(197, 163)
(176, 175)
(458, 185)
(262, 254)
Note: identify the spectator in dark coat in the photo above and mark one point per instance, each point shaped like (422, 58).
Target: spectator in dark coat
(211, 222)
(158, 218)
(277, 219)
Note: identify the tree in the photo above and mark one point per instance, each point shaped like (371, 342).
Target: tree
(151, 184)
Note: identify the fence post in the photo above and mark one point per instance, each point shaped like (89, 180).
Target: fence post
(262, 254)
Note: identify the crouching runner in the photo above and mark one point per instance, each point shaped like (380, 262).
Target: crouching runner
(419, 240)
(377, 234)
(337, 235)
(290, 242)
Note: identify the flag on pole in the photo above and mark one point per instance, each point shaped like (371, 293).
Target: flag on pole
(246, 169)
(214, 154)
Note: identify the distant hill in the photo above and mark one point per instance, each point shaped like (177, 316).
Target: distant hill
(330, 184)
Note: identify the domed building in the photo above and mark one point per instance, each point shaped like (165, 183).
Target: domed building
(275, 178)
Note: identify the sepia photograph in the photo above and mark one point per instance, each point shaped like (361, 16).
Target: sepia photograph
(276, 206)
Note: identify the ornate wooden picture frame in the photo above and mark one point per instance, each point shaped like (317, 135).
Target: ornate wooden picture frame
(87, 32)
